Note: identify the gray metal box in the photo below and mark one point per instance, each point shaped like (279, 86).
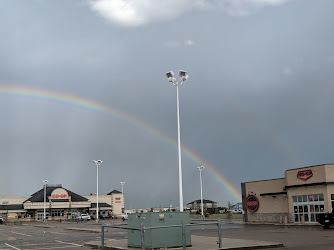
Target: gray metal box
(162, 237)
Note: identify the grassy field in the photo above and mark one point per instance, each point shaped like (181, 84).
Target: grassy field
(217, 216)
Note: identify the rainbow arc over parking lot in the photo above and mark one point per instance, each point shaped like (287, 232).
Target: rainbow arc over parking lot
(96, 106)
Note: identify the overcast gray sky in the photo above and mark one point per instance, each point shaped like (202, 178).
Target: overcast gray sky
(258, 101)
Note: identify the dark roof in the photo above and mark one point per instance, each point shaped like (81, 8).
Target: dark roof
(12, 207)
(199, 201)
(114, 192)
(101, 204)
(39, 195)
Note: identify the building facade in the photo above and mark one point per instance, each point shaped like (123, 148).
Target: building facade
(208, 205)
(59, 204)
(299, 197)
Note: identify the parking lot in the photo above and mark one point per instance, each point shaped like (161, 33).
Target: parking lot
(58, 235)
(54, 235)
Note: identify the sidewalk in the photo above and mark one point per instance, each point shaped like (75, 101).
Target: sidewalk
(198, 243)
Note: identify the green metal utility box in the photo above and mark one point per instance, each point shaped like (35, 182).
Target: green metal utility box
(160, 237)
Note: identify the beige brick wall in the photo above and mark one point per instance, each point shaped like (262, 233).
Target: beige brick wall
(319, 175)
(269, 203)
(13, 199)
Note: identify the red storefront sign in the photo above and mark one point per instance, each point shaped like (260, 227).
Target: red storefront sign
(59, 195)
(305, 174)
(117, 198)
(252, 203)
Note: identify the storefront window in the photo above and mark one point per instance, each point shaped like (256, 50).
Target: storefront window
(321, 197)
(308, 206)
(57, 213)
(310, 198)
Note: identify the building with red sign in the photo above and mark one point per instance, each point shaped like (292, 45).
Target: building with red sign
(299, 197)
(60, 204)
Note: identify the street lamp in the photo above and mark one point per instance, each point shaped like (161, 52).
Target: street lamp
(97, 163)
(45, 182)
(184, 76)
(200, 179)
(122, 183)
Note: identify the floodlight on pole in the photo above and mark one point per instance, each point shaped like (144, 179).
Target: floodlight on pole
(200, 179)
(97, 163)
(184, 76)
(45, 182)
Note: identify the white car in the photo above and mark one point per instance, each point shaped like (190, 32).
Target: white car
(84, 217)
(124, 216)
(237, 211)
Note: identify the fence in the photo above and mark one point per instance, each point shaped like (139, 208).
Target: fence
(143, 228)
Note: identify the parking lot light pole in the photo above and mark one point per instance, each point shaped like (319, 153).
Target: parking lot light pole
(97, 163)
(45, 182)
(200, 179)
(122, 183)
(184, 76)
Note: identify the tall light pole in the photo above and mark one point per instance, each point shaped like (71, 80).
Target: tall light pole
(200, 179)
(184, 76)
(45, 182)
(122, 183)
(97, 163)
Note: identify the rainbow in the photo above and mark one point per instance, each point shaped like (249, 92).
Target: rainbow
(95, 106)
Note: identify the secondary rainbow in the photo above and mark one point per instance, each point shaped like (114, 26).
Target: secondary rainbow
(95, 106)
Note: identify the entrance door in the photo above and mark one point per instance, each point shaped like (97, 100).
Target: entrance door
(40, 216)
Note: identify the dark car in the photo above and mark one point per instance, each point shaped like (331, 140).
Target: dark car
(102, 216)
(326, 219)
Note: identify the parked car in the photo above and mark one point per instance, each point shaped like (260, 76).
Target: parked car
(112, 216)
(84, 217)
(237, 211)
(1, 219)
(326, 219)
(125, 216)
(102, 217)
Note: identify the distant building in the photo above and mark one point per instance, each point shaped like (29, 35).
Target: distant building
(209, 205)
(60, 204)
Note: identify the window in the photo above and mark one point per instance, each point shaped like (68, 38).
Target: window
(309, 206)
(57, 213)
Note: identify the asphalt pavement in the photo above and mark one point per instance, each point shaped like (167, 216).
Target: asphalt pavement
(54, 235)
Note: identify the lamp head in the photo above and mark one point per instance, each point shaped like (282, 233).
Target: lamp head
(170, 76)
(97, 162)
(183, 75)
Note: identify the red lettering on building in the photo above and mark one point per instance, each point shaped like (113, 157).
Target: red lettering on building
(118, 198)
(304, 175)
(252, 203)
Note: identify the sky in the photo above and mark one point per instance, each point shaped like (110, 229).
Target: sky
(85, 80)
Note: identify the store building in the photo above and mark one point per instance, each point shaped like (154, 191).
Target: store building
(208, 205)
(60, 204)
(299, 197)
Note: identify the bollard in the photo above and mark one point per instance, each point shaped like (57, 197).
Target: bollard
(184, 235)
(142, 230)
(219, 234)
(102, 237)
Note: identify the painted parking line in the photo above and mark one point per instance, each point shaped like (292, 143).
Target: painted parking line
(21, 234)
(12, 246)
(69, 243)
(51, 232)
